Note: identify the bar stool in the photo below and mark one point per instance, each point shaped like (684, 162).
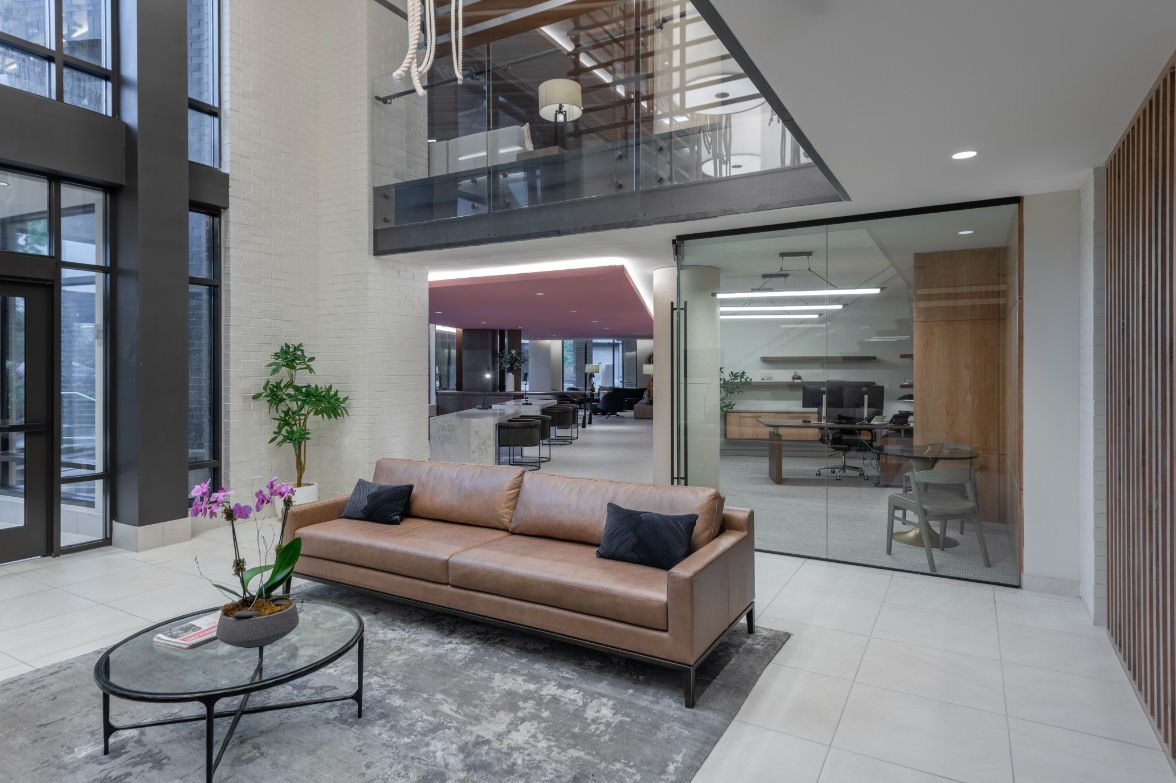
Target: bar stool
(518, 435)
(562, 417)
(544, 432)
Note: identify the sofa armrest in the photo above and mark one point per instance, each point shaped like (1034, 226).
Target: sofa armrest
(312, 514)
(709, 590)
(739, 519)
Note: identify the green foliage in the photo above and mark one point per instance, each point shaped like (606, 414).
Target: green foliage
(283, 566)
(293, 404)
(734, 382)
(512, 360)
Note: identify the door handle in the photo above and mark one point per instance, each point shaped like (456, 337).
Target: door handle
(4, 428)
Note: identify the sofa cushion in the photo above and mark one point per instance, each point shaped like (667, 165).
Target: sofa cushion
(566, 575)
(645, 538)
(455, 492)
(574, 509)
(419, 548)
(383, 503)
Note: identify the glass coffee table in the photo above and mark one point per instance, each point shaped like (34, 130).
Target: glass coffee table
(138, 669)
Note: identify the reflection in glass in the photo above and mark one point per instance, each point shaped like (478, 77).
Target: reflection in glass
(200, 475)
(12, 411)
(201, 373)
(883, 396)
(203, 142)
(83, 370)
(24, 71)
(202, 63)
(86, 90)
(26, 19)
(24, 213)
(83, 225)
(83, 512)
(203, 245)
(445, 358)
(84, 30)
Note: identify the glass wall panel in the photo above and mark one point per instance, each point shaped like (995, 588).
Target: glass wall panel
(83, 372)
(203, 139)
(202, 60)
(83, 225)
(27, 19)
(83, 512)
(24, 213)
(445, 360)
(12, 411)
(201, 374)
(24, 71)
(868, 390)
(84, 30)
(86, 91)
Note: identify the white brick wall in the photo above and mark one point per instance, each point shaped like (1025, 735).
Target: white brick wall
(298, 146)
(1092, 369)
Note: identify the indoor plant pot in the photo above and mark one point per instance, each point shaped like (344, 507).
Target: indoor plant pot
(307, 493)
(257, 631)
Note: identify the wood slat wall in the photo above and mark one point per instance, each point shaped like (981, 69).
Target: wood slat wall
(1141, 417)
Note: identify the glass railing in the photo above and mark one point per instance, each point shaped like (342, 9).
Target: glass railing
(655, 101)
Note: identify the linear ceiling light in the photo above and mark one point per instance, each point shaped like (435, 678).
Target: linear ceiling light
(827, 292)
(747, 308)
(446, 329)
(744, 317)
(520, 269)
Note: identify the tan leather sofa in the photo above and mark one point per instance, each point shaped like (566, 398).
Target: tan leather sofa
(518, 548)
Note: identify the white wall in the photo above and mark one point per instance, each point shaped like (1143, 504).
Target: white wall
(1092, 430)
(539, 365)
(1051, 392)
(300, 146)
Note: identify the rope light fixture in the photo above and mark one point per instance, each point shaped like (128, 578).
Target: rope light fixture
(424, 14)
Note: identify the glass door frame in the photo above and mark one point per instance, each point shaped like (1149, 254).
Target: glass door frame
(46, 270)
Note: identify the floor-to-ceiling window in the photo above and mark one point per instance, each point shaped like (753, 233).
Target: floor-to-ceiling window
(203, 83)
(60, 49)
(203, 348)
(870, 385)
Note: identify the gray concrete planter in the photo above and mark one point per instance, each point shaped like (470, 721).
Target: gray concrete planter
(257, 631)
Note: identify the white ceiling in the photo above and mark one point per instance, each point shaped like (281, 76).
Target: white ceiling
(887, 90)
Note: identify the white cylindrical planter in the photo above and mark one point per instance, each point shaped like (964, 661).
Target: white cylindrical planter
(698, 286)
(306, 494)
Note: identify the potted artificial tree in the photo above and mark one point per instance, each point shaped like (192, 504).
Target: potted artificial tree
(294, 404)
(511, 362)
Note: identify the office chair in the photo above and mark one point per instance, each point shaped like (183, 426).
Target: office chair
(931, 505)
(843, 441)
(611, 404)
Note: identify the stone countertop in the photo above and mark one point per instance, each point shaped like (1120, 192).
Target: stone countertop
(472, 435)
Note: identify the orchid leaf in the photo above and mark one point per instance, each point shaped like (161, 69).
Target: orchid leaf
(283, 567)
(224, 589)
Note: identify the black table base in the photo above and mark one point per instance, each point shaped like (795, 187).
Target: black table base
(210, 714)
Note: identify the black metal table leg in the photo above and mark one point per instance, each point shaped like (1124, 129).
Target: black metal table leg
(107, 726)
(359, 688)
(209, 725)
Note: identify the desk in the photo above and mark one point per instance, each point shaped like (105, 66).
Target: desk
(775, 442)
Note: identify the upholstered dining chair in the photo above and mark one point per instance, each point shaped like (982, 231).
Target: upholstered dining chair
(930, 500)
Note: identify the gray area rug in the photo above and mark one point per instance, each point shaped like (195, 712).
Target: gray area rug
(445, 699)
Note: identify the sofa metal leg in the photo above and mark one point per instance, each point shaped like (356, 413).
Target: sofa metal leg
(751, 619)
(688, 687)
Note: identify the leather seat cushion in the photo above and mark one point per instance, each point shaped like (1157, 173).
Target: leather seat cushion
(420, 548)
(455, 492)
(567, 575)
(574, 509)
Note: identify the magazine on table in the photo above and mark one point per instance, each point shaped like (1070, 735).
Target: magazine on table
(191, 634)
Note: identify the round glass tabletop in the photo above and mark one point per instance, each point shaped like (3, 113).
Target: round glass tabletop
(933, 451)
(138, 668)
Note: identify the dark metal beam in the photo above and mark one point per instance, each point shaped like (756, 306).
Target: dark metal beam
(207, 187)
(55, 138)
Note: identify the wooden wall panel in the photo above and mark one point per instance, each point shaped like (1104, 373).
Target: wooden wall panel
(1141, 417)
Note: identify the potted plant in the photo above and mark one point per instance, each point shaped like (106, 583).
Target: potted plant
(294, 404)
(511, 362)
(258, 615)
(730, 384)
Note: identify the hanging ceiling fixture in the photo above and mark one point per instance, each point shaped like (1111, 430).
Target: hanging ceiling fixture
(424, 12)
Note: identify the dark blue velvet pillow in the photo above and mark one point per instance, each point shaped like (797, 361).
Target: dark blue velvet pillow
(646, 538)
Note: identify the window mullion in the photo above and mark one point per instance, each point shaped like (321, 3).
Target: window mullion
(59, 50)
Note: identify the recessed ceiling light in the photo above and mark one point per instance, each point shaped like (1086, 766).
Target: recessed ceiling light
(432, 141)
(483, 322)
(596, 322)
(538, 294)
(964, 155)
(573, 311)
(438, 312)
(966, 232)
(826, 292)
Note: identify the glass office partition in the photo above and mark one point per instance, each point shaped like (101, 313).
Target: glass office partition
(575, 103)
(870, 389)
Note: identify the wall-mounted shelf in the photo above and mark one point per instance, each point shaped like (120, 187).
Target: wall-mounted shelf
(819, 359)
(906, 356)
(906, 385)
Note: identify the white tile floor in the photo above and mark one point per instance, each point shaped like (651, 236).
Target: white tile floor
(887, 677)
(895, 678)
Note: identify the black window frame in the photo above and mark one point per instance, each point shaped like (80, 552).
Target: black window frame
(59, 60)
(209, 109)
(213, 283)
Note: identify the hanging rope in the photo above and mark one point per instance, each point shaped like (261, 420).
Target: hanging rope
(414, 63)
(455, 33)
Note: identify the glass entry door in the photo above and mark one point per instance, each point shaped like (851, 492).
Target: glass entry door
(25, 329)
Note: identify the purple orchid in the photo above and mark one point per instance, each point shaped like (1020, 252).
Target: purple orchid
(240, 511)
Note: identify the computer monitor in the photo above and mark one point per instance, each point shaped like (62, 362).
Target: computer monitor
(855, 397)
(812, 395)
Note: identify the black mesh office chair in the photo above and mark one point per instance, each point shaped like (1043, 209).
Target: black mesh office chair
(844, 441)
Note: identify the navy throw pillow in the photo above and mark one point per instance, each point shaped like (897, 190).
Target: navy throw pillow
(646, 538)
(386, 504)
